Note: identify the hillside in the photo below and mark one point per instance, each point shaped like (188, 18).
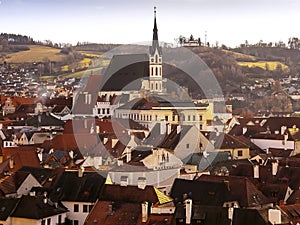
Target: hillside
(35, 53)
(232, 67)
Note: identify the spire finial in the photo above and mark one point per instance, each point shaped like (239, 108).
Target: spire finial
(155, 36)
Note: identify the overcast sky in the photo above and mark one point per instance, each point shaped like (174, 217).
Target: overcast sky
(229, 22)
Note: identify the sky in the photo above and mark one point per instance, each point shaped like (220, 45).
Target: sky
(228, 22)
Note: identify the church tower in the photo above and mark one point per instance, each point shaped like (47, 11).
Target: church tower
(155, 62)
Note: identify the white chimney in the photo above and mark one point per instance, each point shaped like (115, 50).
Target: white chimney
(274, 216)
(169, 128)
(178, 129)
(40, 155)
(105, 140)
(188, 211)
(92, 130)
(80, 171)
(45, 198)
(256, 171)
(144, 212)
(286, 136)
(11, 163)
(120, 162)
(245, 130)
(114, 142)
(97, 129)
(282, 129)
(128, 154)
(71, 154)
(274, 168)
(162, 127)
(230, 213)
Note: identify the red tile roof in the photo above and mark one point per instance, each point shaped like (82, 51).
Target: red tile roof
(131, 194)
(22, 156)
(19, 100)
(111, 213)
(10, 184)
(240, 189)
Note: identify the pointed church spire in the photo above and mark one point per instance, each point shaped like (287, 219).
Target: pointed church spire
(155, 35)
(155, 44)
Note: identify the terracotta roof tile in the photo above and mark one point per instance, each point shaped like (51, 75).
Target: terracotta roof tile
(240, 189)
(110, 213)
(22, 156)
(131, 194)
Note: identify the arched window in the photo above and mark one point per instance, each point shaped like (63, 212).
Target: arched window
(156, 71)
(152, 71)
(156, 86)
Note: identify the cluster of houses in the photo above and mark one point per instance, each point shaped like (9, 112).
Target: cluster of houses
(112, 170)
(24, 81)
(115, 156)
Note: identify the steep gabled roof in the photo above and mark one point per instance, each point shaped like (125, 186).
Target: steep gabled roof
(10, 184)
(247, 216)
(206, 160)
(40, 174)
(276, 192)
(69, 142)
(133, 194)
(294, 198)
(120, 212)
(22, 156)
(240, 189)
(130, 68)
(291, 174)
(208, 215)
(43, 119)
(34, 207)
(71, 187)
(201, 192)
(292, 212)
(166, 140)
(7, 207)
(224, 141)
